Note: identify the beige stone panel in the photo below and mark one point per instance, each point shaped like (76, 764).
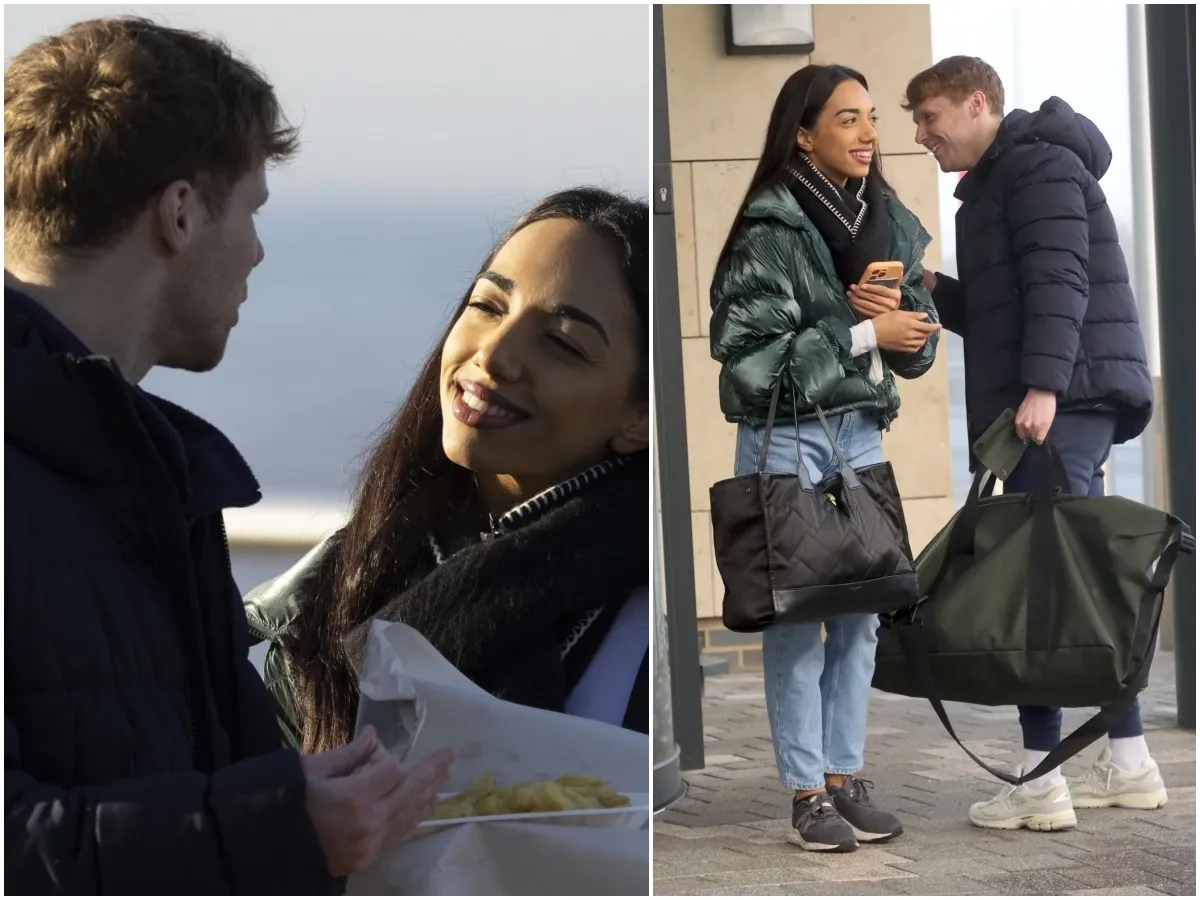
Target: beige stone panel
(685, 251)
(926, 518)
(718, 189)
(918, 444)
(708, 600)
(710, 438)
(889, 45)
(915, 179)
(719, 104)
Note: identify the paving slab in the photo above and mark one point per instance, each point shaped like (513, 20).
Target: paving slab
(729, 836)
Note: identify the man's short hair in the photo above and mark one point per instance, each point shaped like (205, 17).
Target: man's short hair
(102, 117)
(957, 78)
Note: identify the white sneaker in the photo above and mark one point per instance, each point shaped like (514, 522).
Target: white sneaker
(1106, 785)
(1047, 809)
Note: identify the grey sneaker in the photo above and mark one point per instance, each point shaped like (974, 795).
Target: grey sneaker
(1048, 809)
(870, 823)
(1106, 785)
(819, 827)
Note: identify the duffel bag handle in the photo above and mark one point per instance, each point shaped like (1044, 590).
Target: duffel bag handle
(960, 543)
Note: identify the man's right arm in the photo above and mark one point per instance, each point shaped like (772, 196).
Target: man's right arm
(948, 297)
(243, 830)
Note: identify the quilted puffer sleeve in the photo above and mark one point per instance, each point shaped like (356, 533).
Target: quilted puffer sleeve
(242, 830)
(950, 301)
(914, 297)
(1048, 229)
(758, 328)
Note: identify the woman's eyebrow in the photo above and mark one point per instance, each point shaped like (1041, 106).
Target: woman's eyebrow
(505, 284)
(564, 311)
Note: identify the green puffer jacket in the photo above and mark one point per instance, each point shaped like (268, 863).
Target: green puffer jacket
(778, 305)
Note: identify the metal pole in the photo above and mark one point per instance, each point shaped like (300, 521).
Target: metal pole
(668, 780)
(683, 646)
(1145, 282)
(1171, 67)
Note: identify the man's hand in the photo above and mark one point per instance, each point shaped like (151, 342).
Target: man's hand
(362, 801)
(929, 279)
(1036, 415)
(871, 300)
(902, 331)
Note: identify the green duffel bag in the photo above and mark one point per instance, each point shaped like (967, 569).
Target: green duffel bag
(1042, 599)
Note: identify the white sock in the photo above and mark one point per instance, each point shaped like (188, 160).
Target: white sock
(1033, 759)
(1130, 754)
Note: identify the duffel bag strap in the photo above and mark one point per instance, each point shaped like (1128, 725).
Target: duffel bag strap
(915, 640)
(1146, 626)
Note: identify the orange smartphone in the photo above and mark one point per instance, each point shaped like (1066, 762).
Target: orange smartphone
(888, 274)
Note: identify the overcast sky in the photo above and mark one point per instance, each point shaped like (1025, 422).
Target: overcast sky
(1071, 50)
(433, 101)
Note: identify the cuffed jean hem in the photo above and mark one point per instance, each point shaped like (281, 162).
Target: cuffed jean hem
(802, 787)
(842, 770)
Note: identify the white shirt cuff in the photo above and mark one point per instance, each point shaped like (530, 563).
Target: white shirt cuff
(862, 338)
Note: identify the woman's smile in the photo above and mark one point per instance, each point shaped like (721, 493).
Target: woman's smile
(478, 407)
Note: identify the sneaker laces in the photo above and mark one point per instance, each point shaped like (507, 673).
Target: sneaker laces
(815, 807)
(857, 789)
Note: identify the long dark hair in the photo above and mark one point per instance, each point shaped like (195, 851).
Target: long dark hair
(408, 487)
(798, 105)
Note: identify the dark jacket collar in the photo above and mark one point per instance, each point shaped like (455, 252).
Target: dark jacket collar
(73, 412)
(1054, 123)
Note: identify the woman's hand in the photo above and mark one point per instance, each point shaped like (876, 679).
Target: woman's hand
(902, 331)
(871, 300)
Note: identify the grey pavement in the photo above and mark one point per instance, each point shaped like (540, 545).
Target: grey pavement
(728, 836)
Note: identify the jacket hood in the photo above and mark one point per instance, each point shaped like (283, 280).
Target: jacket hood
(1056, 123)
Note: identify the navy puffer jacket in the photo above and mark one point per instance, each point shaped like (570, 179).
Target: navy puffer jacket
(1042, 297)
(141, 752)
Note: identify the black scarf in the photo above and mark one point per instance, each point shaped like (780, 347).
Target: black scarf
(554, 573)
(853, 220)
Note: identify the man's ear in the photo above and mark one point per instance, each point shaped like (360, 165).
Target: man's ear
(634, 435)
(177, 215)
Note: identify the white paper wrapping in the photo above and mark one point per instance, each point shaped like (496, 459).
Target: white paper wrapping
(418, 702)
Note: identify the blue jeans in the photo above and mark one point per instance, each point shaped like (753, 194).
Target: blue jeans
(1084, 441)
(817, 692)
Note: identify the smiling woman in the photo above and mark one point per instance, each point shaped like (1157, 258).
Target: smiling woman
(503, 513)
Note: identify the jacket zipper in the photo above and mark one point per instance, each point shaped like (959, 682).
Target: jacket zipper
(188, 694)
(188, 720)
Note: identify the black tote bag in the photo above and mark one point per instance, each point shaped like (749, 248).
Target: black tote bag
(790, 551)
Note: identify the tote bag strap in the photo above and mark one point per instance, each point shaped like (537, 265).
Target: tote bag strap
(848, 476)
(801, 470)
